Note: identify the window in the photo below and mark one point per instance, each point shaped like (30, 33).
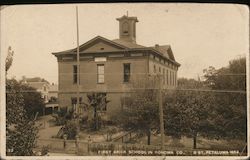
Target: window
(125, 28)
(100, 73)
(167, 77)
(163, 75)
(75, 74)
(104, 106)
(154, 69)
(170, 78)
(159, 69)
(126, 72)
(74, 102)
(126, 101)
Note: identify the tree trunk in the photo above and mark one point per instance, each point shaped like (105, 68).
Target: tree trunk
(149, 136)
(95, 119)
(194, 140)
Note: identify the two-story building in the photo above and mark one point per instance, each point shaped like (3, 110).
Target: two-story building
(110, 66)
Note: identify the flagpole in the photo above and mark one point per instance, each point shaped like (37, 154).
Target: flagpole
(78, 63)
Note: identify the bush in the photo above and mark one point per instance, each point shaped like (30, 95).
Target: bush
(70, 129)
(91, 123)
(45, 150)
(62, 116)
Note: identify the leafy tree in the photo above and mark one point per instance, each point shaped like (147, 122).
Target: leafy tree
(9, 59)
(33, 102)
(232, 77)
(98, 102)
(141, 108)
(70, 129)
(230, 104)
(187, 113)
(21, 132)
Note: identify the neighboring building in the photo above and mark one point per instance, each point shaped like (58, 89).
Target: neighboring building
(52, 104)
(109, 66)
(53, 92)
(49, 92)
(40, 85)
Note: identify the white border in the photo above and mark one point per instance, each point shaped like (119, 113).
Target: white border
(3, 124)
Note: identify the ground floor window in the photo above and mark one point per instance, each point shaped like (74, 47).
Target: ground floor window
(74, 102)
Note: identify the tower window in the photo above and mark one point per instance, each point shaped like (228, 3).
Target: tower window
(125, 28)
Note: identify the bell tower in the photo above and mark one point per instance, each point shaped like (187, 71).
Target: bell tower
(127, 28)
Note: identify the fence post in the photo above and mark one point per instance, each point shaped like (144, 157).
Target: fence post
(77, 142)
(64, 140)
(89, 141)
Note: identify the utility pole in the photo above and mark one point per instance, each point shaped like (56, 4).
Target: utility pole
(161, 112)
(78, 63)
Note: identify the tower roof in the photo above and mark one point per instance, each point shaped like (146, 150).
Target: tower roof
(126, 17)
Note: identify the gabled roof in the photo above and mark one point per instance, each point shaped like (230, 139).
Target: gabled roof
(92, 41)
(53, 88)
(128, 44)
(164, 50)
(37, 85)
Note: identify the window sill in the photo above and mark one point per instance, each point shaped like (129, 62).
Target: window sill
(126, 82)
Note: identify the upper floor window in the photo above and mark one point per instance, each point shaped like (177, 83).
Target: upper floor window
(74, 74)
(100, 73)
(154, 69)
(126, 72)
(159, 69)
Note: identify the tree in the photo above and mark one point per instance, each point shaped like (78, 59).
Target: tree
(9, 59)
(33, 102)
(21, 132)
(97, 101)
(230, 104)
(232, 77)
(141, 109)
(186, 113)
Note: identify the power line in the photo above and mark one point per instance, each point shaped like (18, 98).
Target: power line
(134, 90)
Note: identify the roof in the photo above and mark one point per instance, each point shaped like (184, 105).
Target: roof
(37, 85)
(53, 88)
(126, 17)
(127, 44)
(35, 79)
(163, 50)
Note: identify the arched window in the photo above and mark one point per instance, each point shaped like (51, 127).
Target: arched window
(125, 28)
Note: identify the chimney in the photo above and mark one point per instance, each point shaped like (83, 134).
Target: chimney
(157, 46)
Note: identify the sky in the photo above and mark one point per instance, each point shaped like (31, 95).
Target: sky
(200, 35)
